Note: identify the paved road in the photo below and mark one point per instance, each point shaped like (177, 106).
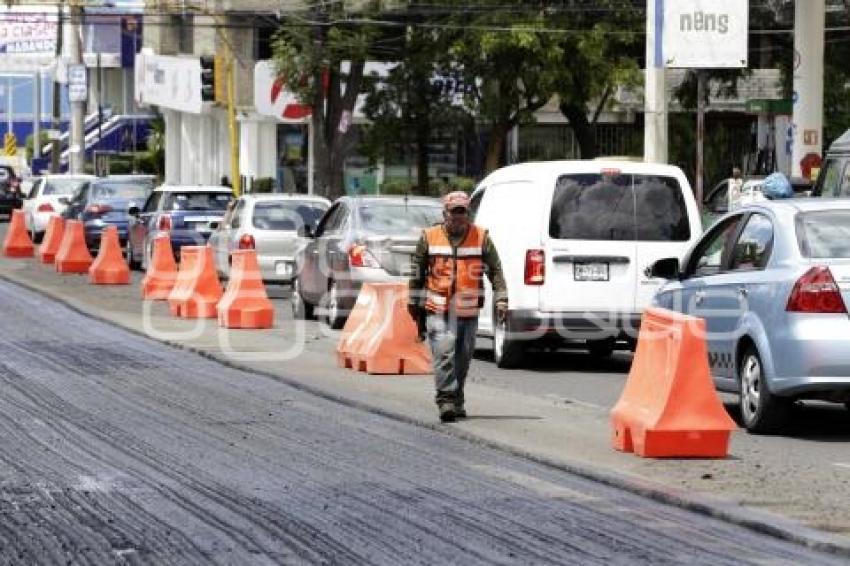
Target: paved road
(114, 448)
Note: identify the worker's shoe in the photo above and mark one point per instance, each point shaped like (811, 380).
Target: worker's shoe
(460, 412)
(448, 414)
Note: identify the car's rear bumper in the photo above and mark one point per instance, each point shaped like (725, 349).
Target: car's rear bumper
(276, 269)
(535, 324)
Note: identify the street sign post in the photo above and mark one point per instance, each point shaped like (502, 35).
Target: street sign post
(77, 83)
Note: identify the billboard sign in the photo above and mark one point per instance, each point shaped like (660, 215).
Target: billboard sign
(172, 83)
(705, 34)
(27, 33)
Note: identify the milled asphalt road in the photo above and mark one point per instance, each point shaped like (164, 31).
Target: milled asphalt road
(117, 449)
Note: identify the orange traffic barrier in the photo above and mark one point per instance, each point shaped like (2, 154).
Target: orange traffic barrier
(380, 336)
(196, 291)
(18, 242)
(162, 271)
(73, 255)
(669, 407)
(109, 267)
(245, 303)
(52, 238)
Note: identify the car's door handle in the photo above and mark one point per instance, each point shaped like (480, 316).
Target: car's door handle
(699, 297)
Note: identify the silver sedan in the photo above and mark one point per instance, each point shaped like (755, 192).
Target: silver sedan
(269, 224)
(772, 281)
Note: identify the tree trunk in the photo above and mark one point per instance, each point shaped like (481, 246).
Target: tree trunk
(577, 117)
(496, 147)
(423, 133)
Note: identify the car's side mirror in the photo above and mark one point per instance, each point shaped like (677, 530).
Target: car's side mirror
(306, 231)
(667, 268)
(133, 211)
(64, 200)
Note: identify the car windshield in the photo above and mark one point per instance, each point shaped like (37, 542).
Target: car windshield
(397, 217)
(197, 201)
(104, 191)
(286, 215)
(618, 207)
(62, 186)
(824, 234)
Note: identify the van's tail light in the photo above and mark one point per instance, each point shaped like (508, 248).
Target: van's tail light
(45, 207)
(98, 209)
(360, 256)
(247, 242)
(535, 267)
(164, 222)
(816, 292)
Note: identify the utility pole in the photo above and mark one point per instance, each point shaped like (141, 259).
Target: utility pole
(655, 104)
(700, 169)
(77, 147)
(56, 147)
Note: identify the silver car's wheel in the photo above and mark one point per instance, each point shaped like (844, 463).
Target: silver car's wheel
(761, 411)
(301, 309)
(507, 353)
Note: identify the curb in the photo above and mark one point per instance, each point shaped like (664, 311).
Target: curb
(758, 521)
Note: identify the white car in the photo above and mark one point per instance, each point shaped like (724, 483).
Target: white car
(49, 197)
(576, 239)
(267, 223)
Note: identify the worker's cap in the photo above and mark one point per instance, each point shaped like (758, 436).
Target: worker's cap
(457, 199)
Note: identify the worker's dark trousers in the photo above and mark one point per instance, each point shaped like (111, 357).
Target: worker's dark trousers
(452, 343)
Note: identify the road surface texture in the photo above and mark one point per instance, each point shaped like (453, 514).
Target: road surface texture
(117, 449)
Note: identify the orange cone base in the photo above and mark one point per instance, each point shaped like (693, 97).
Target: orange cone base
(382, 365)
(157, 290)
(22, 251)
(671, 443)
(261, 317)
(116, 277)
(73, 266)
(47, 258)
(197, 309)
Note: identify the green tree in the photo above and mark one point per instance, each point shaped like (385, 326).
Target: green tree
(321, 54)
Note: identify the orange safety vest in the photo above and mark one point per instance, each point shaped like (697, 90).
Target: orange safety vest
(455, 275)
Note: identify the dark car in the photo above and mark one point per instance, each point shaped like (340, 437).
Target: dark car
(186, 213)
(358, 240)
(106, 202)
(10, 190)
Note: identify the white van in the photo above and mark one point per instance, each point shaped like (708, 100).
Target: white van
(576, 239)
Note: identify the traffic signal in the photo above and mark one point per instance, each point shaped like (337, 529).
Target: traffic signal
(10, 144)
(208, 79)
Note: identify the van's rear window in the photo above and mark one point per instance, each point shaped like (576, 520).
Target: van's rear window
(824, 234)
(619, 208)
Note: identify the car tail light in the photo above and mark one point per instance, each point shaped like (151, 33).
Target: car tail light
(45, 207)
(535, 267)
(816, 292)
(360, 256)
(164, 222)
(98, 209)
(611, 172)
(246, 242)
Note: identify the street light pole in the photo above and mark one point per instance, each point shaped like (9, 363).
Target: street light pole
(56, 147)
(77, 149)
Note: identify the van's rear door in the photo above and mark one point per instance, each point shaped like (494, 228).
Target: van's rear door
(667, 222)
(590, 245)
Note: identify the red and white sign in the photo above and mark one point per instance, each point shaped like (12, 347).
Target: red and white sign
(271, 97)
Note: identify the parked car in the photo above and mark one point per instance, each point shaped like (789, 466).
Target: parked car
(10, 190)
(575, 239)
(184, 212)
(772, 281)
(834, 177)
(50, 196)
(267, 223)
(105, 202)
(358, 239)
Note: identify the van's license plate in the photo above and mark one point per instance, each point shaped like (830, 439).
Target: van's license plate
(590, 271)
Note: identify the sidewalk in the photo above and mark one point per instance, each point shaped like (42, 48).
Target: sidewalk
(570, 436)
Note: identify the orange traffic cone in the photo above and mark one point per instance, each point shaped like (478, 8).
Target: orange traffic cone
(384, 341)
(109, 267)
(18, 242)
(669, 407)
(52, 238)
(245, 303)
(73, 255)
(162, 271)
(197, 290)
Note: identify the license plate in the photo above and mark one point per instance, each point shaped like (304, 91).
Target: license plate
(590, 271)
(201, 227)
(283, 268)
